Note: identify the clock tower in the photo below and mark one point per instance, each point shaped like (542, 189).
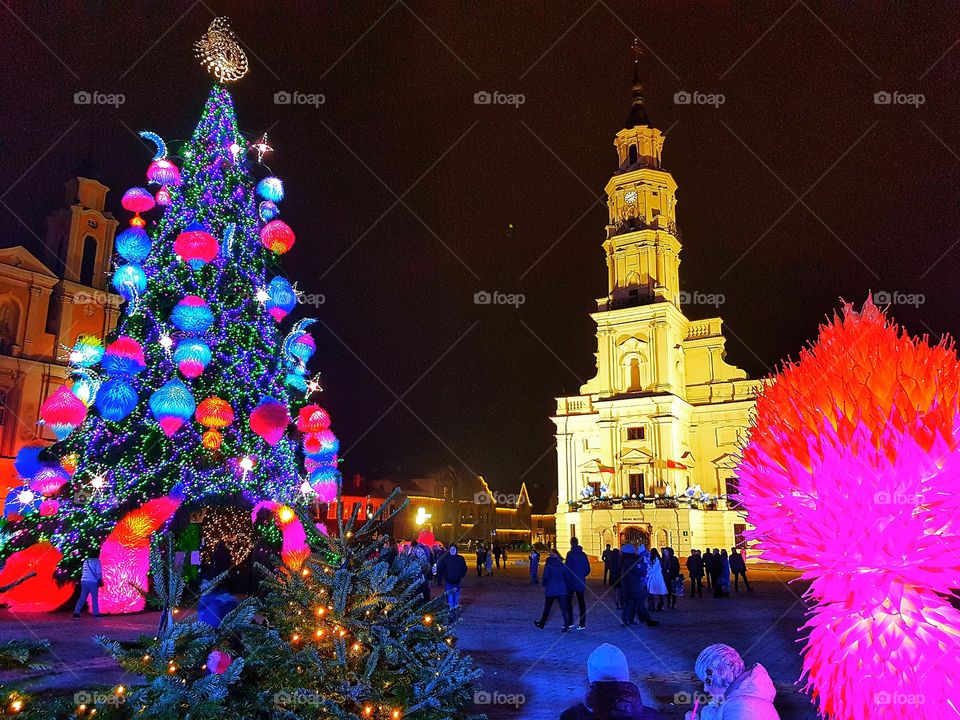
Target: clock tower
(646, 452)
(642, 245)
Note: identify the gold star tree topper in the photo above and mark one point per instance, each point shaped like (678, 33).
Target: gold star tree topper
(220, 53)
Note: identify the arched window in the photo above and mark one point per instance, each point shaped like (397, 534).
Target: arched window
(88, 260)
(632, 155)
(9, 322)
(634, 374)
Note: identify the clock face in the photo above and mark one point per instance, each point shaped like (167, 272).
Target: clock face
(631, 197)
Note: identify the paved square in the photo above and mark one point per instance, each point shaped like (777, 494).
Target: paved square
(546, 667)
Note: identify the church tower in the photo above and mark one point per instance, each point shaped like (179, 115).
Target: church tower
(80, 235)
(643, 245)
(646, 452)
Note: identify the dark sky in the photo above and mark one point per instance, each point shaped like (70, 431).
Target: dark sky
(417, 376)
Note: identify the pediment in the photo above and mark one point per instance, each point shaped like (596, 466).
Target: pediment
(19, 257)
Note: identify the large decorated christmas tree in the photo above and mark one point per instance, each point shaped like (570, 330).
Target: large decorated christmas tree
(188, 405)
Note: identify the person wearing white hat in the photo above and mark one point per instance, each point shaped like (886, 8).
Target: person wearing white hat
(611, 695)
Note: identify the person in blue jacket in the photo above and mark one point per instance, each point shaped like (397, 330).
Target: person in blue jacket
(578, 567)
(554, 590)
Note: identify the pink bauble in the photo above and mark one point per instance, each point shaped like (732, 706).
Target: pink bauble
(218, 662)
(269, 420)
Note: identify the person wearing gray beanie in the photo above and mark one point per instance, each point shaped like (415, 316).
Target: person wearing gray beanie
(611, 695)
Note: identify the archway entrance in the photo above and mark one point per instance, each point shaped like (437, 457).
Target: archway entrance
(635, 535)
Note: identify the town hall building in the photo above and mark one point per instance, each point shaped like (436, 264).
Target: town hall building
(647, 451)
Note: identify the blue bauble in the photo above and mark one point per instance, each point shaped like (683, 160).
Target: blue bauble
(270, 188)
(133, 244)
(268, 210)
(116, 400)
(129, 281)
(324, 473)
(192, 314)
(296, 381)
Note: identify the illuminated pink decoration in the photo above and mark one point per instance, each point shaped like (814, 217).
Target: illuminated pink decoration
(125, 556)
(850, 476)
(196, 246)
(49, 480)
(163, 197)
(124, 356)
(277, 236)
(218, 662)
(325, 490)
(163, 172)
(63, 412)
(294, 550)
(49, 508)
(40, 593)
(269, 420)
(137, 200)
(312, 419)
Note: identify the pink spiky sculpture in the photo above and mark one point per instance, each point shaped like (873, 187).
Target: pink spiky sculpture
(851, 475)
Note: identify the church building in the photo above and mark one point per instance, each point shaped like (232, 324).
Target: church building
(647, 451)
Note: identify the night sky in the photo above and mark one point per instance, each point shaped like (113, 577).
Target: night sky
(407, 197)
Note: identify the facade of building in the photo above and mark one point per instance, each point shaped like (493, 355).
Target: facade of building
(646, 451)
(44, 306)
(465, 512)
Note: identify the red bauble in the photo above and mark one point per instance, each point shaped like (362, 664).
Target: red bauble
(312, 419)
(277, 236)
(214, 412)
(196, 246)
(270, 420)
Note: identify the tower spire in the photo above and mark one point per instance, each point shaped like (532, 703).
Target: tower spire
(638, 112)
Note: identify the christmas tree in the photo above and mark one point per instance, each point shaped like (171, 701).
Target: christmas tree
(187, 405)
(346, 637)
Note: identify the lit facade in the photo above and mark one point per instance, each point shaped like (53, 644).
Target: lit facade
(665, 411)
(45, 305)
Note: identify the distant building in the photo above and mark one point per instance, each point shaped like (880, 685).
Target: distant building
(466, 512)
(45, 305)
(646, 450)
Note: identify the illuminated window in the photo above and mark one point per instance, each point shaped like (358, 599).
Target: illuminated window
(88, 261)
(636, 484)
(637, 432)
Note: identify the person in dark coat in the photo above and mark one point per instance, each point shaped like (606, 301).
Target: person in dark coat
(670, 567)
(578, 566)
(723, 574)
(607, 559)
(534, 566)
(555, 590)
(497, 552)
(695, 570)
(633, 582)
(481, 559)
(451, 568)
(389, 552)
(716, 564)
(708, 567)
(611, 695)
(738, 568)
